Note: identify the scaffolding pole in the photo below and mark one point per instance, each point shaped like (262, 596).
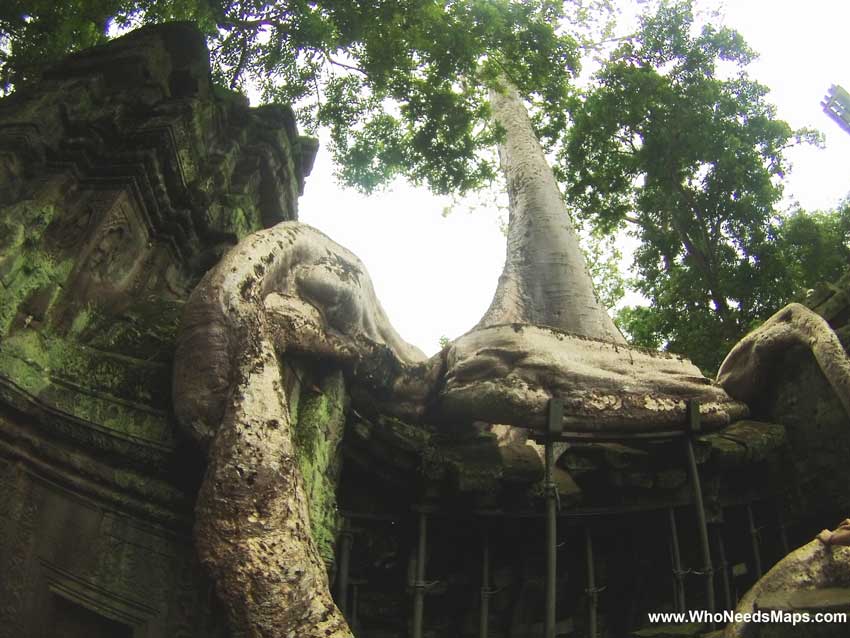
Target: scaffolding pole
(592, 591)
(694, 428)
(676, 560)
(420, 585)
(485, 587)
(554, 424)
(723, 566)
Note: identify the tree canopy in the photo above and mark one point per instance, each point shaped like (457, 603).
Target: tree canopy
(676, 143)
(401, 84)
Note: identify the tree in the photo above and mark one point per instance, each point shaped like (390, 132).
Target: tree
(545, 280)
(814, 247)
(675, 142)
(802, 250)
(410, 98)
(413, 97)
(441, 62)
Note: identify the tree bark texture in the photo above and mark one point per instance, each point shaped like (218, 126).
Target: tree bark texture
(252, 515)
(545, 280)
(289, 290)
(751, 365)
(507, 374)
(808, 574)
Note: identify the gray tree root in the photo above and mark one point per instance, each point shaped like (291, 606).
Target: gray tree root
(751, 364)
(799, 576)
(290, 289)
(282, 289)
(507, 374)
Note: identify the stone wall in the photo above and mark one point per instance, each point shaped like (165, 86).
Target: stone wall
(124, 175)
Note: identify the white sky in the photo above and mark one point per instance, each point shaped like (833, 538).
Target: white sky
(435, 275)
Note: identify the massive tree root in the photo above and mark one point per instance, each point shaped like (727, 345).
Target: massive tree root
(815, 568)
(751, 364)
(290, 290)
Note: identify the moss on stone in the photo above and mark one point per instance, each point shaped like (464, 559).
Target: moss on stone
(26, 266)
(146, 329)
(317, 434)
(113, 392)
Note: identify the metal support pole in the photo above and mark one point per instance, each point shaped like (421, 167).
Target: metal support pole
(694, 427)
(724, 566)
(554, 424)
(592, 592)
(754, 538)
(354, 618)
(485, 587)
(676, 559)
(551, 546)
(419, 585)
(345, 541)
(783, 532)
(355, 621)
(674, 580)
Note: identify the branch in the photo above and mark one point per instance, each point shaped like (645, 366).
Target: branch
(595, 45)
(246, 24)
(241, 64)
(343, 65)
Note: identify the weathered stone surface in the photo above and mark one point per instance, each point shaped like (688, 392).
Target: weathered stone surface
(805, 574)
(124, 175)
(134, 182)
(744, 443)
(793, 371)
(610, 455)
(569, 493)
(522, 464)
(319, 426)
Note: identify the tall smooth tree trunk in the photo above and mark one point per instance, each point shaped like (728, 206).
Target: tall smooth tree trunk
(545, 280)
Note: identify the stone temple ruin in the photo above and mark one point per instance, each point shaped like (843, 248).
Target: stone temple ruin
(209, 428)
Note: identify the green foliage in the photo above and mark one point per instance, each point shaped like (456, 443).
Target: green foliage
(673, 140)
(815, 247)
(804, 249)
(677, 143)
(401, 84)
(36, 33)
(603, 256)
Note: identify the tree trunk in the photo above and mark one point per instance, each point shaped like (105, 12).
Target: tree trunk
(285, 289)
(545, 280)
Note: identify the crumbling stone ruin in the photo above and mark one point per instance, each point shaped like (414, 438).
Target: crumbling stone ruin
(208, 426)
(125, 175)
